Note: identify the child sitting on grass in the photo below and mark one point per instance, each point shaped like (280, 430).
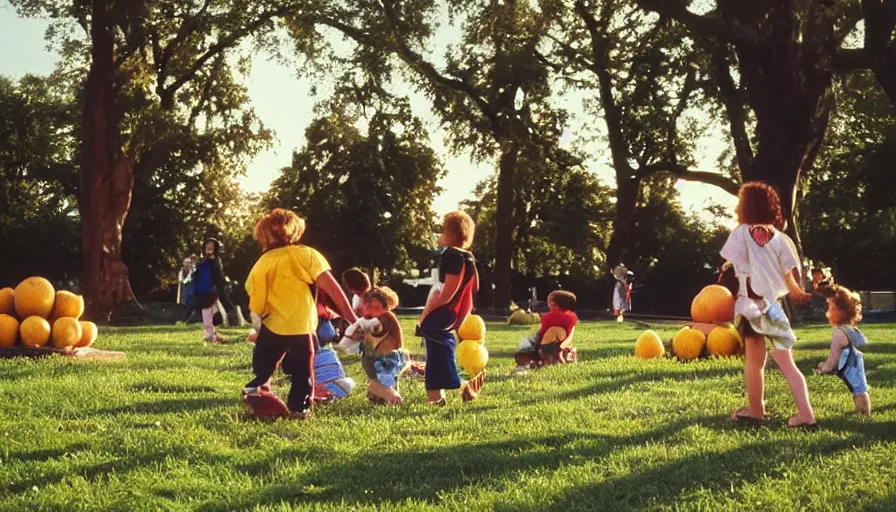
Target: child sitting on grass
(553, 342)
(845, 360)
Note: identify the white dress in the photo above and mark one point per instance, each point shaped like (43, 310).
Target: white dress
(764, 256)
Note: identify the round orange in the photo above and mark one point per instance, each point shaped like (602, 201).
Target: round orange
(68, 304)
(89, 333)
(34, 331)
(713, 304)
(9, 330)
(34, 297)
(7, 301)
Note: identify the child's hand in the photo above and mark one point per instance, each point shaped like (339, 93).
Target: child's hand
(252, 337)
(822, 369)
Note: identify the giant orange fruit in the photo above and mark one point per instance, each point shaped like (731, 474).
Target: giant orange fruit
(9, 330)
(649, 345)
(88, 334)
(688, 343)
(66, 332)
(34, 332)
(7, 301)
(713, 304)
(724, 341)
(473, 328)
(68, 305)
(34, 297)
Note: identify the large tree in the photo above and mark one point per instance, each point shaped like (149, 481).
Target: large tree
(773, 64)
(162, 47)
(491, 92)
(640, 74)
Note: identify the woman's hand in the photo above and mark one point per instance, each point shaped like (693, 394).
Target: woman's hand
(800, 298)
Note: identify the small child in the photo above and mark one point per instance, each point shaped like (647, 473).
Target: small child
(284, 313)
(357, 283)
(622, 291)
(448, 307)
(553, 342)
(767, 269)
(845, 360)
(383, 357)
(210, 286)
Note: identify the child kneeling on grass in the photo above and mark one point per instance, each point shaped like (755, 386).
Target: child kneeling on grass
(845, 360)
(553, 342)
(283, 309)
(383, 356)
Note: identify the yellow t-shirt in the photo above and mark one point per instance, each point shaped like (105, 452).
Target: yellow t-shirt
(279, 288)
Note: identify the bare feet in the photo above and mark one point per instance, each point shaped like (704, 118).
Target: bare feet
(802, 423)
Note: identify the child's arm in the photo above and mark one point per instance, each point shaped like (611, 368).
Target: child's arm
(797, 295)
(328, 284)
(839, 341)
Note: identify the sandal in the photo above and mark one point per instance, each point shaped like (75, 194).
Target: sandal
(743, 415)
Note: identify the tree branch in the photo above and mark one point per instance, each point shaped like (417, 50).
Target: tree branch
(428, 71)
(734, 106)
(612, 113)
(223, 44)
(681, 172)
(712, 26)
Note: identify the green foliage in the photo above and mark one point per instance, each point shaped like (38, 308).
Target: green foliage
(562, 214)
(165, 430)
(366, 194)
(38, 185)
(674, 255)
(848, 213)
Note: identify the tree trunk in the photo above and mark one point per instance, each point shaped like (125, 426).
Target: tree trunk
(107, 178)
(510, 151)
(626, 202)
(788, 78)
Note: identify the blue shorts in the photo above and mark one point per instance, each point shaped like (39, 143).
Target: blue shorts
(852, 371)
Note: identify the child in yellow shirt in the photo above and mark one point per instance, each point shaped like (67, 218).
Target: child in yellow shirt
(283, 310)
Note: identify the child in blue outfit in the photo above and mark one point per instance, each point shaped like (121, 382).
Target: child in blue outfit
(845, 360)
(448, 307)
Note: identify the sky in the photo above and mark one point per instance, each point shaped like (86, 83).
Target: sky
(284, 102)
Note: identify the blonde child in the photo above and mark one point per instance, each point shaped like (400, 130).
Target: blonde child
(283, 310)
(767, 268)
(448, 307)
(845, 360)
(383, 357)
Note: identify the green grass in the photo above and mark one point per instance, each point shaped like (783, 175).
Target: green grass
(165, 430)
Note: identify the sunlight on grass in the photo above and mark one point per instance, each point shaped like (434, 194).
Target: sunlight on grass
(165, 429)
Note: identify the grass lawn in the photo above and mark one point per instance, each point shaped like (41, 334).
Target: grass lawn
(165, 430)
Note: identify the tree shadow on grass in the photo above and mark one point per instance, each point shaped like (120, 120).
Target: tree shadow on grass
(668, 485)
(394, 476)
(162, 407)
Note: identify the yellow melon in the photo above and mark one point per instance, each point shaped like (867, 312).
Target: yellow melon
(34, 297)
(66, 332)
(89, 333)
(713, 304)
(472, 356)
(7, 301)
(724, 341)
(68, 305)
(688, 343)
(34, 331)
(520, 317)
(9, 330)
(473, 328)
(649, 345)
